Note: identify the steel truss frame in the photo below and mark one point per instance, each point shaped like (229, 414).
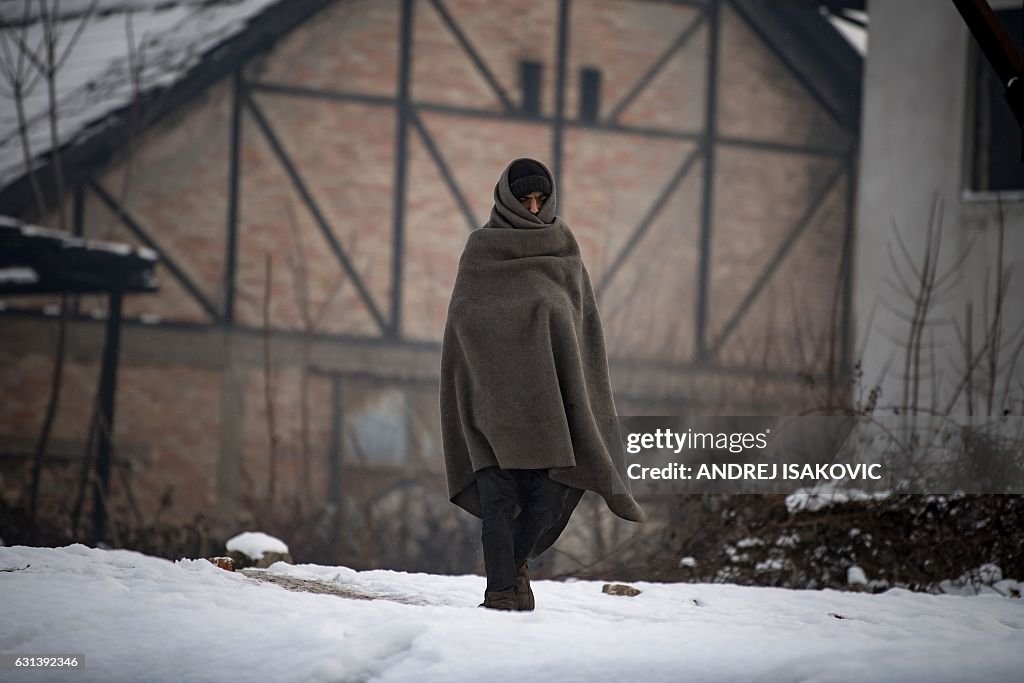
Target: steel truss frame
(707, 140)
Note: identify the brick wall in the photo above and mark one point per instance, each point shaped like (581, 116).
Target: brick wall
(176, 180)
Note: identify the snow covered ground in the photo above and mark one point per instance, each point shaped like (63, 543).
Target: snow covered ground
(140, 618)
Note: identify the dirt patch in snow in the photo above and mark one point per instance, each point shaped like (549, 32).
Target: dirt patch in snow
(326, 588)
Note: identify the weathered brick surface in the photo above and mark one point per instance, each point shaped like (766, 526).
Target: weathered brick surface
(748, 234)
(285, 383)
(759, 98)
(623, 40)
(174, 182)
(24, 384)
(504, 34)
(175, 411)
(349, 46)
(345, 153)
(166, 424)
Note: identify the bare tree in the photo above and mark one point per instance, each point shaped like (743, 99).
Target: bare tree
(23, 66)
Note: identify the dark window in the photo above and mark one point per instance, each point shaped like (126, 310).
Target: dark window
(997, 137)
(529, 81)
(590, 94)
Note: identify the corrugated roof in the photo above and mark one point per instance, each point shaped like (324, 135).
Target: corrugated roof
(169, 37)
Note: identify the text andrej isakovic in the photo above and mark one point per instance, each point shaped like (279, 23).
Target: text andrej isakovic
(664, 439)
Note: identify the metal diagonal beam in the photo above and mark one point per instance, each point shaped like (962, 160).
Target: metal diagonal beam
(647, 220)
(193, 336)
(654, 70)
(176, 270)
(442, 166)
(1000, 51)
(783, 147)
(322, 93)
(471, 52)
(639, 131)
(991, 37)
(788, 64)
(776, 258)
(314, 209)
(487, 115)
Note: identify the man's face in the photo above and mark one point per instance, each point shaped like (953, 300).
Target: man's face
(533, 201)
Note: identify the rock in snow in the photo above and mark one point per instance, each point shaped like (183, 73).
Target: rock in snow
(855, 576)
(257, 549)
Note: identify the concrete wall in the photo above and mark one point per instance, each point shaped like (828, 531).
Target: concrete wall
(915, 148)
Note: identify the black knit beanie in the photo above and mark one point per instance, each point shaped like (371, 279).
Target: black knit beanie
(525, 177)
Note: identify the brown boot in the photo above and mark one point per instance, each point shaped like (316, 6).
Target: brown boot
(524, 594)
(505, 599)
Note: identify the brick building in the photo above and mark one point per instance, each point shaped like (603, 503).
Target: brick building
(309, 170)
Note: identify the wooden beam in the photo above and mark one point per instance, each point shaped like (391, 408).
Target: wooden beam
(1000, 52)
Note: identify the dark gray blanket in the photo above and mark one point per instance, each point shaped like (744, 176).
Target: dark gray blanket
(524, 372)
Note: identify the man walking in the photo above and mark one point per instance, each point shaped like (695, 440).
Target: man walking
(528, 420)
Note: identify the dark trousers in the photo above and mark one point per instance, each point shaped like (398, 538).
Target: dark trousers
(509, 542)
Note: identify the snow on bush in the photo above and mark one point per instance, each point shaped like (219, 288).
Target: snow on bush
(825, 495)
(254, 543)
(855, 576)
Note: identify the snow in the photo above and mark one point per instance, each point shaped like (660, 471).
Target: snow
(855, 576)
(827, 494)
(114, 248)
(135, 617)
(254, 543)
(68, 241)
(16, 9)
(35, 231)
(147, 253)
(18, 275)
(988, 578)
(856, 35)
(772, 564)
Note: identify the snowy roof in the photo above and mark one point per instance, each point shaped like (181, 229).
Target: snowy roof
(36, 260)
(98, 42)
(852, 25)
(18, 228)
